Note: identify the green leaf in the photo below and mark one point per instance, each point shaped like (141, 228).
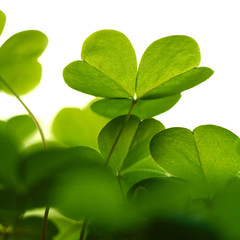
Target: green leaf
(112, 108)
(108, 69)
(164, 59)
(8, 160)
(20, 128)
(10, 208)
(30, 228)
(112, 53)
(40, 166)
(225, 210)
(76, 127)
(131, 156)
(180, 83)
(2, 21)
(18, 60)
(207, 156)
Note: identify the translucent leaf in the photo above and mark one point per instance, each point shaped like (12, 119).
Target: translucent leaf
(112, 53)
(18, 60)
(207, 156)
(2, 21)
(76, 127)
(131, 156)
(165, 59)
(180, 83)
(20, 128)
(143, 108)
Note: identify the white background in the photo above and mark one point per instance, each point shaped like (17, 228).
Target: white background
(214, 24)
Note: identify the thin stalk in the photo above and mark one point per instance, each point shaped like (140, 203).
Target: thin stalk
(45, 219)
(43, 142)
(28, 110)
(120, 132)
(83, 229)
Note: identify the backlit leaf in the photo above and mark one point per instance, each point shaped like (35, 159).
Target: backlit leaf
(165, 59)
(18, 60)
(143, 108)
(131, 156)
(207, 156)
(2, 21)
(76, 127)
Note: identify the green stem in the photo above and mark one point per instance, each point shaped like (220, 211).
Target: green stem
(83, 229)
(45, 219)
(120, 132)
(28, 110)
(43, 141)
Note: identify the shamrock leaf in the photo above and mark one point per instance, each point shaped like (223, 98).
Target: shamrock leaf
(108, 69)
(78, 127)
(144, 109)
(131, 157)
(18, 128)
(206, 157)
(2, 21)
(19, 67)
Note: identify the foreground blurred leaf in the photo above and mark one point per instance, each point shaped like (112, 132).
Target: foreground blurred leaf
(10, 207)
(2, 21)
(143, 108)
(76, 127)
(207, 156)
(8, 160)
(18, 61)
(131, 156)
(30, 228)
(73, 180)
(225, 210)
(109, 66)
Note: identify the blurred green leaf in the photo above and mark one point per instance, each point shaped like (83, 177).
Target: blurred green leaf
(20, 128)
(8, 160)
(225, 210)
(165, 59)
(18, 60)
(143, 108)
(207, 156)
(30, 228)
(2, 21)
(76, 127)
(108, 69)
(10, 207)
(131, 156)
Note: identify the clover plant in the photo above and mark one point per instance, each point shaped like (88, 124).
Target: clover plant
(112, 171)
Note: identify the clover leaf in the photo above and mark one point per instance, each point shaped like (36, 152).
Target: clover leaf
(78, 127)
(131, 157)
(2, 21)
(206, 157)
(108, 69)
(19, 66)
(18, 128)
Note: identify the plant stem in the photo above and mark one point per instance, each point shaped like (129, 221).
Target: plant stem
(43, 142)
(45, 219)
(83, 230)
(120, 132)
(28, 110)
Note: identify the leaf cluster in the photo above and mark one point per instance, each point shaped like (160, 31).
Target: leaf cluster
(112, 171)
